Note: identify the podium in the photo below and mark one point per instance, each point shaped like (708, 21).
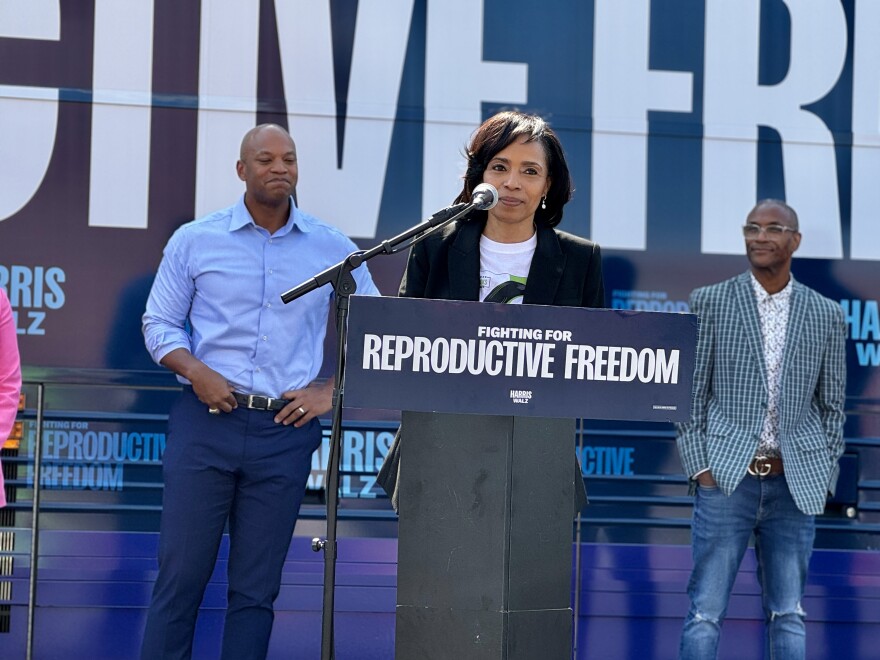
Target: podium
(487, 481)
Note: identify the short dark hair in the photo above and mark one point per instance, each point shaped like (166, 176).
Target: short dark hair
(496, 134)
(778, 203)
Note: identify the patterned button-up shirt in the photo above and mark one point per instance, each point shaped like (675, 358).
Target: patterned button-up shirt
(773, 312)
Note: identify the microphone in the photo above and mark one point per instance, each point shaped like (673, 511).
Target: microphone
(484, 197)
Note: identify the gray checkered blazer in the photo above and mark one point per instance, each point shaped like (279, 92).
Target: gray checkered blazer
(730, 391)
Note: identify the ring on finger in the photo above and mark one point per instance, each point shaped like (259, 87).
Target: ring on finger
(214, 411)
(302, 411)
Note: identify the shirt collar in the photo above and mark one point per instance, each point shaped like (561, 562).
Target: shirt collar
(763, 296)
(241, 217)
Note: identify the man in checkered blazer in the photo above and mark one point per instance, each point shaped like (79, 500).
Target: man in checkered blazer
(766, 432)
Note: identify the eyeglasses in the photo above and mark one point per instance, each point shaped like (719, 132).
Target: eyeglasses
(752, 230)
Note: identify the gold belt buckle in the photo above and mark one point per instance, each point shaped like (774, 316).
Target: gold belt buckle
(761, 467)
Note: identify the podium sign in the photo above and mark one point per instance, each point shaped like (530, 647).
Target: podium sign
(523, 360)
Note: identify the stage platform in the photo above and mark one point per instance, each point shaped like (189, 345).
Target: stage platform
(94, 588)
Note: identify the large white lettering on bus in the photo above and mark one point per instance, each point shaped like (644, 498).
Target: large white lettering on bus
(865, 230)
(228, 103)
(457, 81)
(121, 108)
(28, 115)
(735, 105)
(624, 90)
(381, 35)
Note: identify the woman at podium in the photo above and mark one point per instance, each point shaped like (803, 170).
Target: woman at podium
(512, 252)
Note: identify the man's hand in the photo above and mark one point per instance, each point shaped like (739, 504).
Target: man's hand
(213, 389)
(306, 404)
(210, 387)
(706, 479)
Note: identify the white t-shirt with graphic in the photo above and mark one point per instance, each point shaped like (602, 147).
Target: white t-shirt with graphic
(504, 268)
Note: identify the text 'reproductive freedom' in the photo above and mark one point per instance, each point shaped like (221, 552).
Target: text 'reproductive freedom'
(519, 352)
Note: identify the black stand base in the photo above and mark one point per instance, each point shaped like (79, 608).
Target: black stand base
(485, 538)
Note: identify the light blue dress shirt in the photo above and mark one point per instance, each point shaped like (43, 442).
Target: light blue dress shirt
(225, 275)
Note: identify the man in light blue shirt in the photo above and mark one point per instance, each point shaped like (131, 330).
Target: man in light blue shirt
(243, 431)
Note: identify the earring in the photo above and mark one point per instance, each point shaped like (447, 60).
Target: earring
(543, 202)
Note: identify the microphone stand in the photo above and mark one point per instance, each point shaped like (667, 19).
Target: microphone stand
(343, 282)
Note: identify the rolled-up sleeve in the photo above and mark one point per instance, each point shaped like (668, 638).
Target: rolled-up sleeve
(164, 321)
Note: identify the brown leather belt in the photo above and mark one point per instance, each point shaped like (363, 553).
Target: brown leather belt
(765, 467)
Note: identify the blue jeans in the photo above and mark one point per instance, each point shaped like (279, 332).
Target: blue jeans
(239, 467)
(721, 530)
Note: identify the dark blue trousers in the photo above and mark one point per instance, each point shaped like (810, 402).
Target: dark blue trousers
(244, 468)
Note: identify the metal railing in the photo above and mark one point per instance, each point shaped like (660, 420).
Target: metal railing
(62, 378)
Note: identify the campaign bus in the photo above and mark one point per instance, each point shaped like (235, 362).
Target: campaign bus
(120, 120)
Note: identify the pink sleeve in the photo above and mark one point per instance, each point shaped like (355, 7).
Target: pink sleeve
(10, 376)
